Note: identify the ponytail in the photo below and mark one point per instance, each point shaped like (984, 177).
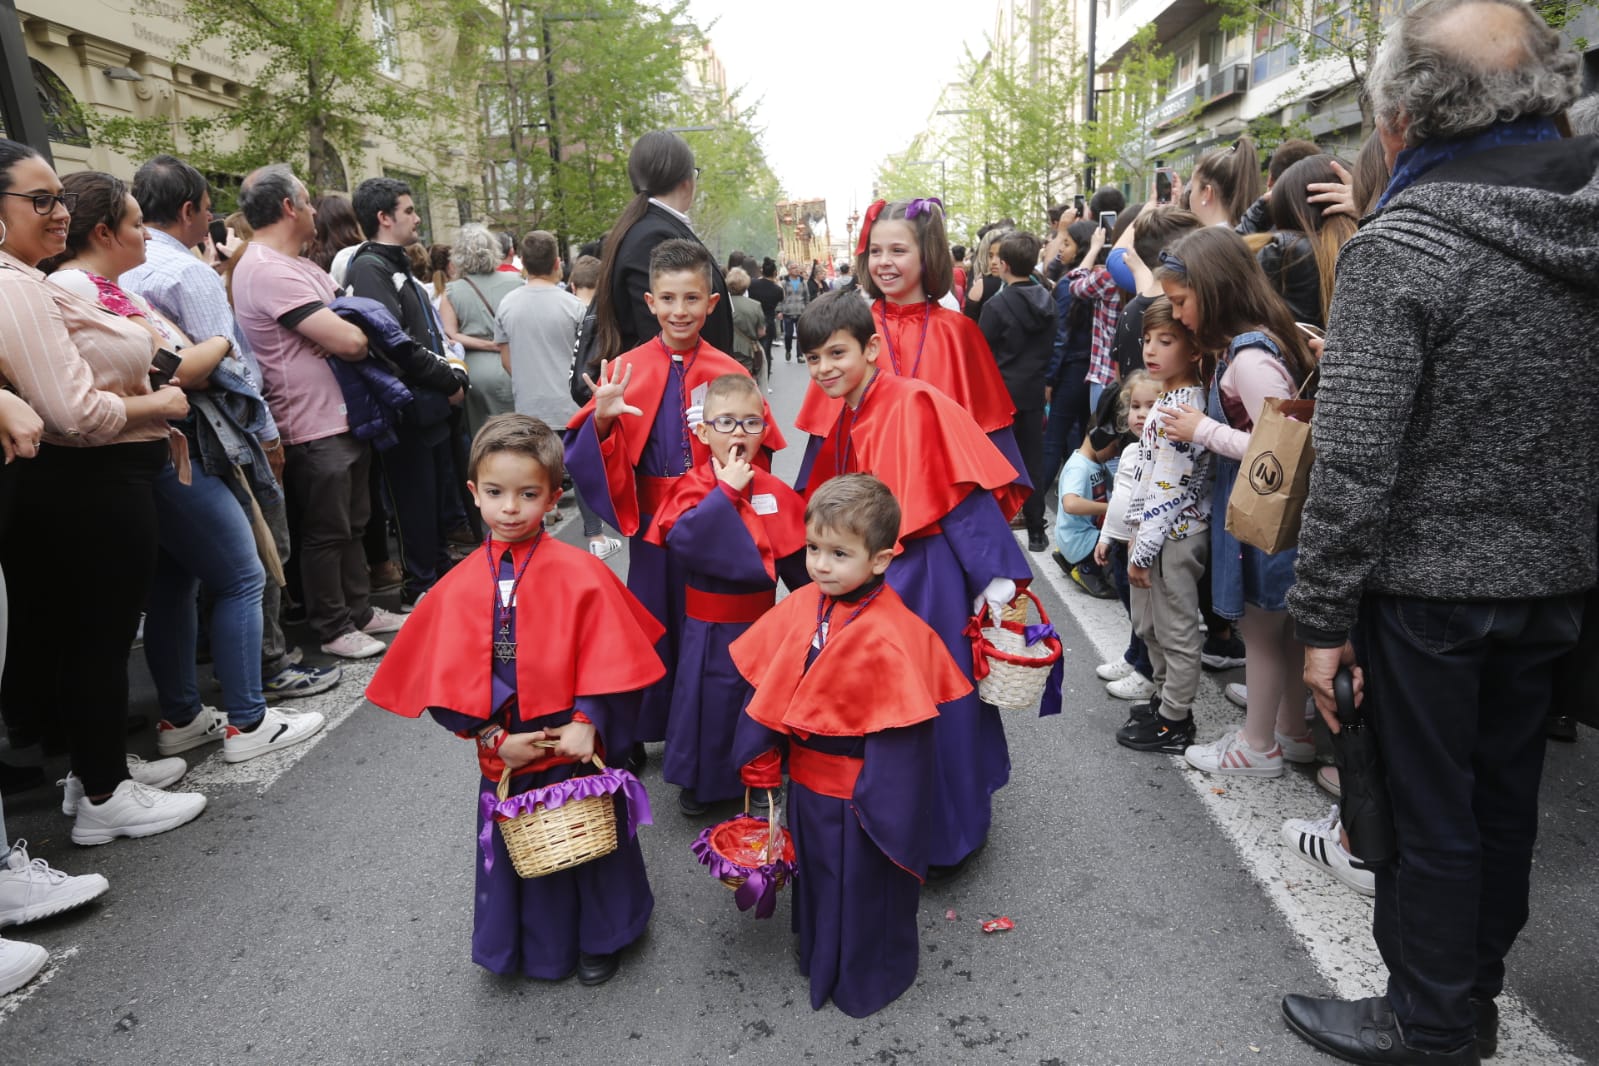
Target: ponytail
(1234, 173)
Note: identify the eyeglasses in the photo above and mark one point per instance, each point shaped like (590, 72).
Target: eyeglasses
(727, 424)
(45, 202)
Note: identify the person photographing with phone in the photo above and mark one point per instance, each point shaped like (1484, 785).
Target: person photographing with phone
(1092, 281)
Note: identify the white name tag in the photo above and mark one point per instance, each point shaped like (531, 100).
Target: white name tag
(764, 503)
(506, 589)
(697, 395)
(821, 635)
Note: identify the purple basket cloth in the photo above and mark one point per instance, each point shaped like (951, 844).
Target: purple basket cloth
(605, 783)
(760, 886)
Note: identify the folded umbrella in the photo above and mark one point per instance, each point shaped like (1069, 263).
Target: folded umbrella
(1365, 808)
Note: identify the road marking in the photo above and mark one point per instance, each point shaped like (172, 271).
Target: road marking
(1330, 920)
(11, 1003)
(215, 775)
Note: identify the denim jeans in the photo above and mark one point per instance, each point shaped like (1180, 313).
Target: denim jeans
(205, 537)
(1457, 693)
(1069, 416)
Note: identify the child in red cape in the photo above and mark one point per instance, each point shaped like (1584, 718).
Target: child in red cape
(732, 529)
(904, 265)
(955, 551)
(860, 762)
(508, 669)
(635, 438)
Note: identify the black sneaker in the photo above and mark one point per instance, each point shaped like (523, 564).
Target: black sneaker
(1141, 714)
(690, 804)
(1162, 735)
(1222, 653)
(1036, 541)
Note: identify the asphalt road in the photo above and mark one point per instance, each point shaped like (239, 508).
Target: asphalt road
(320, 912)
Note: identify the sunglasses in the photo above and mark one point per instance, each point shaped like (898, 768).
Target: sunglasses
(45, 202)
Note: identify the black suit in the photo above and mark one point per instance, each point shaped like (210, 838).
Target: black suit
(631, 281)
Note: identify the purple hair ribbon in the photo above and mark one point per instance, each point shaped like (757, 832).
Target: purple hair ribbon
(923, 203)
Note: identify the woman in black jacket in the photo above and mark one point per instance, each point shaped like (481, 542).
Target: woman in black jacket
(661, 168)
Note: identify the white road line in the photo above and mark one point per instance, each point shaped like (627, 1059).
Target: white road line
(1332, 922)
(213, 775)
(10, 1004)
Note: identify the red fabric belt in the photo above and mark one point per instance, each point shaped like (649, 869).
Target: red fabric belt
(652, 491)
(831, 775)
(728, 606)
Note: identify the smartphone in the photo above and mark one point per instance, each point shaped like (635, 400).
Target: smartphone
(1107, 219)
(1079, 204)
(219, 234)
(1310, 330)
(163, 367)
(1163, 183)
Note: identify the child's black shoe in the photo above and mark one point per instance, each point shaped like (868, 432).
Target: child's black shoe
(1162, 734)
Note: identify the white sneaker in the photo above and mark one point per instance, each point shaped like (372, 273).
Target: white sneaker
(1233, 757)
(19, 964)
(354, 645)
(134, 810)
(1317, 843)
(1135, 686)
(384, 621)
(1298, 749)
(158, 774)
(275, 732)
(174, 739)
(30, 889)
(1114, 670)
(604, 547)
(1237, 695)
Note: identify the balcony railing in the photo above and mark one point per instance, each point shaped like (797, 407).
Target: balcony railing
(1228, 81)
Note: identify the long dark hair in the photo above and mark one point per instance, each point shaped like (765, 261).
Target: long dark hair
(1291, 209)
(659, 163)
(102, 198)
(12, 153)
(1233, 295)
(336, 228)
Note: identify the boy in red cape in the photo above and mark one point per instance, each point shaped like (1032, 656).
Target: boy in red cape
(732, 529)
(955, 551)
(540, 706)
(635, 438)
(860, 762)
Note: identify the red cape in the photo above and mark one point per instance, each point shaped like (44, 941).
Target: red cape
(919, 443)
(579, 633)
(884, 670)
(956, 361)
(778, 534)
(644, 391)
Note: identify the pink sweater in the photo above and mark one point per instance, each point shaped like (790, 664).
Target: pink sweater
(1253, 375)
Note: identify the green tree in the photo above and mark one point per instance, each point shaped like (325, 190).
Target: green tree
(1116, 142)
(1347, 32)
(324, 79)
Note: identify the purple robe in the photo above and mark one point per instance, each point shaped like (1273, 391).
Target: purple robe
(855, 905)
(714, 549)
(652, 575)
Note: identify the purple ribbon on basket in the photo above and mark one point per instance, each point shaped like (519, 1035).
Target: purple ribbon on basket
(760, 886)
(1051, 702)
(607, 782)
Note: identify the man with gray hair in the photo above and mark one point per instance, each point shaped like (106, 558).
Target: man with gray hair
(1451, 526)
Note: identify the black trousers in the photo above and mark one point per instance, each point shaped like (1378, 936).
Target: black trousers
(1457, 694)
(419, 480)
(1029, 430)
(79, 558)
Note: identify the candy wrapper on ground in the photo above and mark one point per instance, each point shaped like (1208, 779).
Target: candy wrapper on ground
(998, 925)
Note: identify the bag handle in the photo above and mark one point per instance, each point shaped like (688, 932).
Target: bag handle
(486, 305)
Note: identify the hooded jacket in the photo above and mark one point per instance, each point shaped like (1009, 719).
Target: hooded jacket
(1455, 450)
(1020, 324)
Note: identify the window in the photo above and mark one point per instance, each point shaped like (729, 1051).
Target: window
(521, 30)
(495, 106)
(385, 36)
(510, 185)
(1184, 66)
(463, 204)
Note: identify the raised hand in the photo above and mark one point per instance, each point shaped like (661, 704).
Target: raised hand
(610, 402)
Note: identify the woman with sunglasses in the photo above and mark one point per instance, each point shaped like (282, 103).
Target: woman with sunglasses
(86, 372)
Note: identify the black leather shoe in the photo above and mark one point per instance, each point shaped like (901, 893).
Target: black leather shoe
(637, 759)
(1561, 727)
(1364, 1031)
(597, 969)
(689, 804)
(1487, 1012)
(1037, 542)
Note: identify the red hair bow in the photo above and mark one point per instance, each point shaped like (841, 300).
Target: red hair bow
(866, 226)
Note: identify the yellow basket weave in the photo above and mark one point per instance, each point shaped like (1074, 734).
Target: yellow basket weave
(545, 840)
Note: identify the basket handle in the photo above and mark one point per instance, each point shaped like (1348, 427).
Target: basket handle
(1020, 593)
(504, 788)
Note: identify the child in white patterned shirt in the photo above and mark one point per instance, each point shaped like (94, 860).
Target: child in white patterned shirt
(1168, 554)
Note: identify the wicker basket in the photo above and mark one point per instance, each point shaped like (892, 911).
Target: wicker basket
(752, 856)
(549, 839)
(1017, 672)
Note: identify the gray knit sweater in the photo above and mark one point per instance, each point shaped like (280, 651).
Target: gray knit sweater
(1457, 423)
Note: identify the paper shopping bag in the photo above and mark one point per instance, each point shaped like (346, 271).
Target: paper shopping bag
(1268, 498)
